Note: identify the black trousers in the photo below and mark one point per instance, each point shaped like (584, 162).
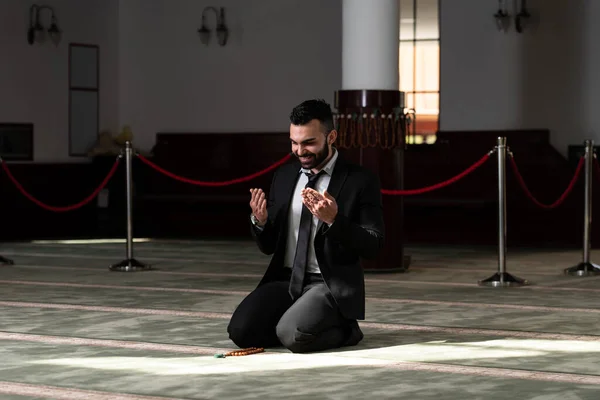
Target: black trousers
(268, 317)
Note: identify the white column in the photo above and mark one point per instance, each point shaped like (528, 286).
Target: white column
(370, 44)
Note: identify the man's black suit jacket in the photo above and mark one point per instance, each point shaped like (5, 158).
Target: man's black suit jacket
(358, 230)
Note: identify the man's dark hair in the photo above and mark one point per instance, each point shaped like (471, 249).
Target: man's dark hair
(308, 110)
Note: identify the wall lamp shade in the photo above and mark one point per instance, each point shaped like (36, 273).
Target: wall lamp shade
(204, 35)
(55, 33)
(222, 31)
(522, 19)
(222, 34)
(37, 33)
(502, 17)
(502, 20)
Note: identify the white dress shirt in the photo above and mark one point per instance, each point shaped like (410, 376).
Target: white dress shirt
(295, 213)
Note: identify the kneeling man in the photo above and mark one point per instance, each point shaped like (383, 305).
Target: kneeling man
(322, 214)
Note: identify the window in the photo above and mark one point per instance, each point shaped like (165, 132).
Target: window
(419, 66)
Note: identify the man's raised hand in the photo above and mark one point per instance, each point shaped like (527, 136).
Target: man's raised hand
(323, 206)
(258, 203)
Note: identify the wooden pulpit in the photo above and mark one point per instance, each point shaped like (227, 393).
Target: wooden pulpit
(372, 126)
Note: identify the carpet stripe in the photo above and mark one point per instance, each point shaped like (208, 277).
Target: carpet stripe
(86, 256)
(369, 299)
(121, 344)
(198, 260)
(476, 331)
(367, 280)
(124, 310)
(159, 272)
(424, 267)
(172, 256)
(363, 324)
(61, 393)
(495, 372)
(135, 288)
(484, 305)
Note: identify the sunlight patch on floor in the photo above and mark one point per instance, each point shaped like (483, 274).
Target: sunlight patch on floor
(211, 365)
(442, 350)
(437, 351)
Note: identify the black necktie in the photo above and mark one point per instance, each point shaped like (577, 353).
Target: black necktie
(301, 257)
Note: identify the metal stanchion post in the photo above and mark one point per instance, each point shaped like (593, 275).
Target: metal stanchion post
(4, 260)
(586, 267)
(130, 264)
(502, 278)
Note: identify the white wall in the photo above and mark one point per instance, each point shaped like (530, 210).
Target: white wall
(34, 79)
(544, 78)
(280, 53)
(156, 76)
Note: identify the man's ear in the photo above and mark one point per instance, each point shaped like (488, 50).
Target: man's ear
(332, 137)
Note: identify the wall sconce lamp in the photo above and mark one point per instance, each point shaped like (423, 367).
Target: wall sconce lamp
(502, 17)
(222, 32)
(522, 18)
(36, 32)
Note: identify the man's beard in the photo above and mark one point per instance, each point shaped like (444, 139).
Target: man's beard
(314, 160)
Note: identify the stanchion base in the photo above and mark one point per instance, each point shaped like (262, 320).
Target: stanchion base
(7, 261)
(503, 279)
(583, 269)
(130, 265)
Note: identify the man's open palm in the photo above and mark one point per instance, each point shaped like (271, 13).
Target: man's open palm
(258, 203)
(322, 206)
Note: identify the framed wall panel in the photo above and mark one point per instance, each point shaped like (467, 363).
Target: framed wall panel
(84, 97)
(16, 141)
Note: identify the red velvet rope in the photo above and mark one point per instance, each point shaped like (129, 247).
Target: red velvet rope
(441, 184)
(65, 208)
(561, 199)
(213, 184)
(287, 157)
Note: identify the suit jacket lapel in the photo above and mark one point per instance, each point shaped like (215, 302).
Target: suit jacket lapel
(287, 186)
(340, 173)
